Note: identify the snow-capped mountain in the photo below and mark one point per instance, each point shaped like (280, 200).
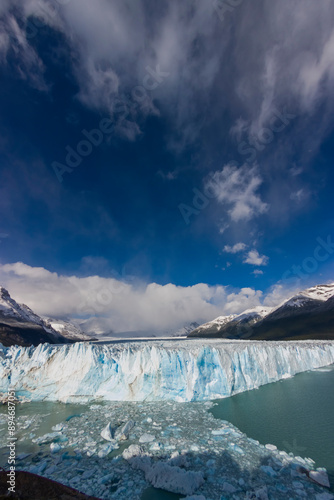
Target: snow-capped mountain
(20, 325)
(308, 314)
(10, 308)
(68, 329)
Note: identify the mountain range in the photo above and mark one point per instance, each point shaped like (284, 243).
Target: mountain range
(307, 315)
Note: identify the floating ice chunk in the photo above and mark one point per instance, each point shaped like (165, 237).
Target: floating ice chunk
(320, 477)
(40, 468)
(271, 447)
(105, 479)
(108, 433)
(122, 433)
(88, 473)
(22, 456)
(146, 438)
(268, 470)
(221, 432)
(260, 493)
(229, 488)
(48, 438)
(173, 479)
(133, 451)
(55, 447)
(236, 448)
(195, 497)
(324, 496)
(105, 450)
(51, 470)
(156, 446)
(58, 427)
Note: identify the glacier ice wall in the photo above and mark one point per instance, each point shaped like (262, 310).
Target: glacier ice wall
(184, 370)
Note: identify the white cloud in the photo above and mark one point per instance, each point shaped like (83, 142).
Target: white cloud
(246, 298)
(254, 258)
(111, 44)
(257, 272)
(236, 187)
(123, 306)
(238, 247)
(279, 293)
(298, 196)
(27, 63)
(223, 228)
(315, 70)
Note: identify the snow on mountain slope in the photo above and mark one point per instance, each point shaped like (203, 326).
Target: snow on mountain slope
(218, 322)
(316, 293)
(255, 312)
(320, 292)
(246, 324)
(185, 370)
(18, 322)
(68, 329)
(11, 310)
(9, 307)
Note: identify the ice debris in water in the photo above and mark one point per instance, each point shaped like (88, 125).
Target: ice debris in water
(185, 450)
(146, 438)
(320, 477)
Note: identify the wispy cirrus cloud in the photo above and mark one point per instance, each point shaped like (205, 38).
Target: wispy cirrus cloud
(24, 59)
(190, 42)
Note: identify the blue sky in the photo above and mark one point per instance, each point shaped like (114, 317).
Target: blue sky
(170, 143)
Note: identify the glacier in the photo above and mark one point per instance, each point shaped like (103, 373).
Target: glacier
(182, 370)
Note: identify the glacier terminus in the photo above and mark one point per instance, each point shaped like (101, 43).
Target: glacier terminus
(157, 370)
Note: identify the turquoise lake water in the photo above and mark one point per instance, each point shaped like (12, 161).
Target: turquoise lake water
(296, 415)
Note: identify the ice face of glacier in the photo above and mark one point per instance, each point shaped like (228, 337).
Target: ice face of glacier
(186, 370)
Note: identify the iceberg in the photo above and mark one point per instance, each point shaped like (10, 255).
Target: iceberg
(182, 370)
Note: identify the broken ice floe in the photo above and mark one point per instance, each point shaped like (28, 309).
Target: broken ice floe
(179, 447)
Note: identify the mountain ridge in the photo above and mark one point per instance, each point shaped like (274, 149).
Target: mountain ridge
(20, 325)
(308, 314)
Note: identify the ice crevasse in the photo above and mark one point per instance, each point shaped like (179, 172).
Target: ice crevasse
(185, 370)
